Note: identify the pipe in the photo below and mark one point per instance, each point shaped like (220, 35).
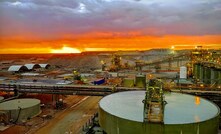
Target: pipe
(11, 98)
(18, 114)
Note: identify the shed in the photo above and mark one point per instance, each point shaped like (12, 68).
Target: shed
(17, 68)
(32, 66)
(46, 66)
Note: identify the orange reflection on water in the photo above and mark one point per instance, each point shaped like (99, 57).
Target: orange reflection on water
(197, 100)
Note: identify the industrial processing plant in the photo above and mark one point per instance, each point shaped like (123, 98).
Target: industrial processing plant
(158, 91)
(110, 66)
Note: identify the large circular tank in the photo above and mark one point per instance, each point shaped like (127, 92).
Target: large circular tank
(1, 98)
(122, 113)
(19, 110)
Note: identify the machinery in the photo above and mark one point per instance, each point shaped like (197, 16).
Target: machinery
(116, 63)
(154, 102)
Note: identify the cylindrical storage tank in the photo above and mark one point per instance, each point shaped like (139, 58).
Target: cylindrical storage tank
(201, 71)
(216, 76)
(204, 74)
(219, 76)
(196, 71)
(1, 98)
(183, 72)
(19, 110)
(208, 75)
(128, 82)
(122, 113)
(140, 81)
(212, 76)
(219, 79)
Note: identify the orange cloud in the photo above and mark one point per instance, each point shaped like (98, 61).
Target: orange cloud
(109, 41)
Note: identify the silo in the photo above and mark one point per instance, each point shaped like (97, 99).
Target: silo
(201, 72)
(122, 113)
(219, 77)
(140, 81)
(216, 76)
(196, 70)
(212, 77)
(206, 74)
(20, 110)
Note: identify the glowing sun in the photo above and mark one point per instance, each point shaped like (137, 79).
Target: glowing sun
(66, 50)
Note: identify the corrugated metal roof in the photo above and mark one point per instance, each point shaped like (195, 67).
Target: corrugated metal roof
(32, 66)
(15, 68)
(44, 65)
(29, 66)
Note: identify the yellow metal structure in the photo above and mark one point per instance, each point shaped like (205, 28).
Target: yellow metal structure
(154, 102)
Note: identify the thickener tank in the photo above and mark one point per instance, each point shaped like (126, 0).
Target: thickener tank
(20, 110)
(1, 98)
(122, 113)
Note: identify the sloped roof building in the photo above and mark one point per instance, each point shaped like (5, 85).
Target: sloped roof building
(46, 66)
(17, 68)
(32, 66)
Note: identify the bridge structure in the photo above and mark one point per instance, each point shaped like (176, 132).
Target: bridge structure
(170, 60)
(212, 94)
(92, 90)
(87, 90)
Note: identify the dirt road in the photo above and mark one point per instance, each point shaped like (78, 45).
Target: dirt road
(71, 120)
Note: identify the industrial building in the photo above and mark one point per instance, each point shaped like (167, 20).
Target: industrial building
(32, 66)
(45, 66)
(17, 68)
(27, 67)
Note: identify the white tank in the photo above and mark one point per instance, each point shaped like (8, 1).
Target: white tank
(183, 72)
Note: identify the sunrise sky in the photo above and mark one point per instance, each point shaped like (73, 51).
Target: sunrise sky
(44, 26)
